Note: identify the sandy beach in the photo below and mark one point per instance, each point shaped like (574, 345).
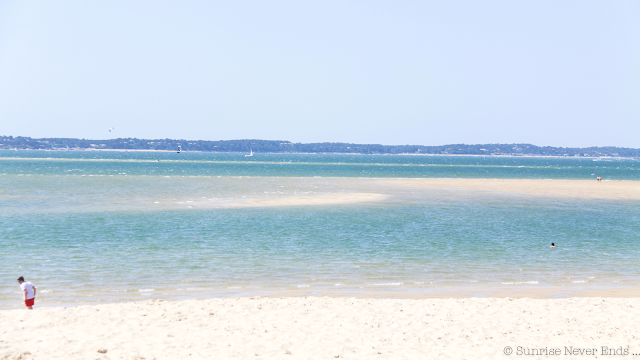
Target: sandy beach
(599, 307)
(324, 328)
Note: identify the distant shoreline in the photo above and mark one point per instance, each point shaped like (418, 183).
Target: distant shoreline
(333, 153)
(285, 146)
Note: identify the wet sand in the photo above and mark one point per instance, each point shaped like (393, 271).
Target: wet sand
(381, 189)
(582, 188)
(326, 199)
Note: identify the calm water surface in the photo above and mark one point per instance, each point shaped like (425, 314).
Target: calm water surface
(110, 226)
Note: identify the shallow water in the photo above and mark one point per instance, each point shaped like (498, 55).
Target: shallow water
(145, 235)
(308, 165)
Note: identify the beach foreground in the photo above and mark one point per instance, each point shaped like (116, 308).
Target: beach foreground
(325, 328)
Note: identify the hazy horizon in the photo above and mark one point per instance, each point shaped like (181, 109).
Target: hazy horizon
(430, 73)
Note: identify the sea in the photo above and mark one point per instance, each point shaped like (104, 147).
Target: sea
(89, 227)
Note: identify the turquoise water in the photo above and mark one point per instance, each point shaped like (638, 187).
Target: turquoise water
(89, 227)
(303, 165)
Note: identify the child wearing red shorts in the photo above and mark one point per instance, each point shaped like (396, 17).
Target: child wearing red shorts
(29, 292)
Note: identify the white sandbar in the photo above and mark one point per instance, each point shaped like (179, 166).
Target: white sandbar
(587, 188)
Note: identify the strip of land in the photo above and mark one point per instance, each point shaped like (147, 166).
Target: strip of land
(583, 188)
(325, 328)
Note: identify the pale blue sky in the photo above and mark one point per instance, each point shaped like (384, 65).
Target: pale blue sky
(559, 73)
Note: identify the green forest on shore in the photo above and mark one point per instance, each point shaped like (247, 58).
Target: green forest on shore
(282, 146)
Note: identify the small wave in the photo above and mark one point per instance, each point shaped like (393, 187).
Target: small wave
(579, 281)
(234, 287)
(303, 286)
(46, 291)
(338, 284)
(520, 282)
(146, 290)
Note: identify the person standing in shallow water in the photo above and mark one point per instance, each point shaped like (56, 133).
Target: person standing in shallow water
(553, 245)
(29, 292)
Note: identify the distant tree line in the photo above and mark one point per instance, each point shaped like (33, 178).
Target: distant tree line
(282, 146)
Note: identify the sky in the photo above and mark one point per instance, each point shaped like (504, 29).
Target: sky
(550, 73)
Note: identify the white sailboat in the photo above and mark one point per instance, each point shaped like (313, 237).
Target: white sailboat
(250, 154)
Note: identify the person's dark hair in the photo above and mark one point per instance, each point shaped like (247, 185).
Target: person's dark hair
(21, 278)
(553, 244)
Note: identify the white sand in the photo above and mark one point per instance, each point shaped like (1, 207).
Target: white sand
(322, 328)
(583, 188)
